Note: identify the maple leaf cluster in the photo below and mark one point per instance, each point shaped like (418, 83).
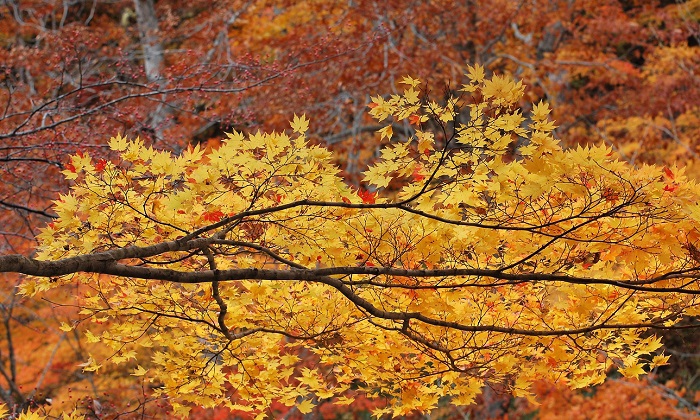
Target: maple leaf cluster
(224, 265)
(620, 73)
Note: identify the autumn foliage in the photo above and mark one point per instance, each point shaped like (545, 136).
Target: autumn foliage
(454, 168)
(487, 255)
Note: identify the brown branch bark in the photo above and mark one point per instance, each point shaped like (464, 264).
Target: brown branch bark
(107, 263)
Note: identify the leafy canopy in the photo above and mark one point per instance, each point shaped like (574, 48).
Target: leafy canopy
(482, 253)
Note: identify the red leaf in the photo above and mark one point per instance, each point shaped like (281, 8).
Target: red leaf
(417, 176)
(367, 197)
(668, 173)
(671, 188)
(213, 216)
(70, 167)
(346, 200)
(100, 165)
(414, 120)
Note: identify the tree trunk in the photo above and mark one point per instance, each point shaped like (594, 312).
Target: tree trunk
(148, 31)
(152, 58)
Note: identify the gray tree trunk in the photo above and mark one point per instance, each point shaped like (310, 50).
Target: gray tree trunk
(150, 42)
(152, 57)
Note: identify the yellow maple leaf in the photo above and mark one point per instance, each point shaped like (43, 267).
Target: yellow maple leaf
(181, 410)
(118, 143)
(475, 73)
(540, 110)
(411, 96)
(139, 371)
(91, 338)
(408, 80)
(387, 132)
(30, 415)
(72, 416)
(649, 345)
(659, 360)
(633, 370)
(300, 124)
(305, 406)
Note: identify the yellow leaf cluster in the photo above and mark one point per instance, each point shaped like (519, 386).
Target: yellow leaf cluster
(503, 261)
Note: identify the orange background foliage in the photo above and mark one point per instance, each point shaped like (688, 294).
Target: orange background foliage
(71, 74)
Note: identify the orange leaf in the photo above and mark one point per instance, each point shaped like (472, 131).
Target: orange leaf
(213, 216)
(366, 196)
(668, 173)
(100, 165)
